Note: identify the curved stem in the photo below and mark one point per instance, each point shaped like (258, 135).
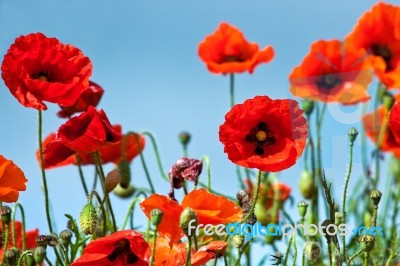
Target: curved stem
(255, 198)
(288, 250)
(344, 199)
(26, 252)
(5, 237)
(146, 171)
(130, 210)
(81, 176)
(188, 251)
(206, 159)
(295, 250)
(21, 208)
(355, 256)
(102, 180)
(232, 89)
(160, 167)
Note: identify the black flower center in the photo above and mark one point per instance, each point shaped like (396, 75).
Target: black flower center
(122, 251)
(232, 58)
(328, 81)
(383, 51)
(43, 76)
(260, 136)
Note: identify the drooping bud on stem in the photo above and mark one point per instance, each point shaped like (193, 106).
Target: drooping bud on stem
(112, 180)
(5, 212)
(65, 237)
(124, 192)
(376, 196)
(367, 242)
(39, 254)
(307, 184)
(184, 138)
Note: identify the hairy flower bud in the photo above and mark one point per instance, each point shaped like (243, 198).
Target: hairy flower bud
(307, 106)
(5, 212)
(39, 254)
(186, 217)
(88, 219)
(367, 242)
(124, 192)
(312, 250)
(238, 240)
(65, 237)
(112, 180)
(125, 173)
(353, 132)
(376, 196)
(302, 208)
(156, 217)
(10, 257)
(184, 137)
(306, 184)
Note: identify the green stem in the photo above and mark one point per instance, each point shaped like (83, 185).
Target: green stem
(355, 256)
(44, 180)
(81, 176)
(146, 171)
(26, 252)
(153, 251)
(21, 208)
(241, 251)
(189, 248)
(303, 257)
(344, 199)
(48, 261)
(330, 253)
(196, 246)
(295, 249)
(288, 250)
(255, 198)
(130, 210)
(232, 89)
(185, 150)
(103, 212)
(102, 180)
(5, 237)
(160, 167)
(364, 148)
(366, 257)
(206, 159)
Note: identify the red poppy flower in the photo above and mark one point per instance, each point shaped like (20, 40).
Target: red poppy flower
(332, 72)
(266, 134)
(213, 250)
(394, 122)
(209, 208)
(30, 237)
(375, 32)
(89, 97)
(227, 51)
(37, 68)
(121, 248)
(268, 194)
(56, 154)
(12, 180)
(373, 124)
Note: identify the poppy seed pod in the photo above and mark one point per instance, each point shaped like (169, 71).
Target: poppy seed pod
(307, 106)
(112, 179)
(186, 217)
(312, 250)
(353, 132)
(156, 217)
(306, 184)
(125, 173)
(88, 219)
(5, 212)
(302, 208)
(184, 138)
(39, 254)
(376, 196)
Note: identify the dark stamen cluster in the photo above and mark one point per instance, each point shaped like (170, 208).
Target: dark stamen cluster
(259, 143)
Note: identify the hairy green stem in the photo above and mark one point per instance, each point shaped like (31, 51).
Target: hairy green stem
(81, 176)
(146, 171)
(153, 251)
(188, 251)
(288, 250)
(130, 210)
(26, 252)
(355, 256)
(156, 152)
(21, 208)
(232, 89)
(255, 198)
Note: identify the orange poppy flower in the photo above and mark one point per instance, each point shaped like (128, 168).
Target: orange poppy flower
(332, 72)
(121, 248)
(213, 250)
(227, 51)
(372, 130)
(209, 208)
(12, 180)
(266, 134)
(37, 68)
(113, 152)
(167, 255)
(375, 33)
(30, 237)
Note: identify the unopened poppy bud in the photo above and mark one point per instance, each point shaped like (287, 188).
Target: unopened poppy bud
(10, 257)
(125, 170)
(376, 196)
(156, 217)
(353, 132)
(65, 237)
(238, 241)
(29, 259)
(388, 101)
(184, 138)
(307, 106)
(124, 192)
(302, 208)
(312, 250)
(306, 184)
(188, 216)
(88, 219)
(41, 240)
(5, 212)
(112, 180)
(338, 218)
(367, 242)
(39, 254)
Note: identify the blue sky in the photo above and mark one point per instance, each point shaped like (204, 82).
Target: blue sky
(145, 56)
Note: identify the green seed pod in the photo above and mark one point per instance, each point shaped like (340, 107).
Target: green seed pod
(124, 192)
(184, 138)
(156, 217)
(312, 250)
(302, 208)
(376, 196)
(88, 219)
(388, 100)
(306, 184)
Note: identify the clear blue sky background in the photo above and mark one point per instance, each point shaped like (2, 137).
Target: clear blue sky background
(145, 56)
